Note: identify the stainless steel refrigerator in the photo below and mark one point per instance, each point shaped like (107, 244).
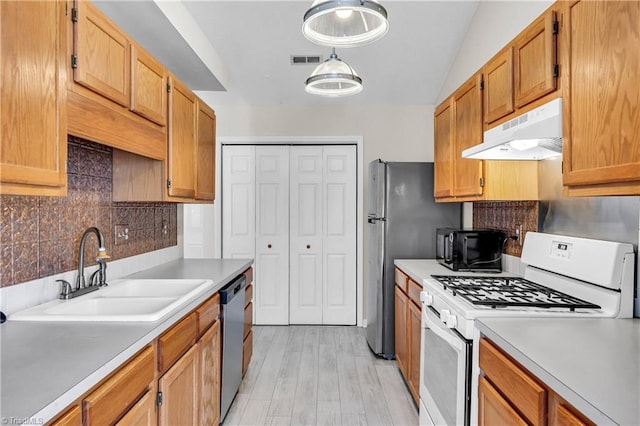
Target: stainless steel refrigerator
(402, 220)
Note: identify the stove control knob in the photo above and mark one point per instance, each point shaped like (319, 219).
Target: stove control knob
(444, 314)
(426, 298)
(452, 321)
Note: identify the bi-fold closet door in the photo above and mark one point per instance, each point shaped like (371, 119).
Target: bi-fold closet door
(304, 225)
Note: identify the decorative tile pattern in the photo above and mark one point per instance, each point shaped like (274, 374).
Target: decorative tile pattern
(40, 236)
(506, 216)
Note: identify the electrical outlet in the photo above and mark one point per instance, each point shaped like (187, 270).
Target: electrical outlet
(518, 233)
(121, 234)
(165, 228)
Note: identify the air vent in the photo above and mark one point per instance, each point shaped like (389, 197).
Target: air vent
(305, 59)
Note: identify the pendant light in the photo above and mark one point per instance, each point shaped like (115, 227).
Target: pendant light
(333, 78)
(345, 23)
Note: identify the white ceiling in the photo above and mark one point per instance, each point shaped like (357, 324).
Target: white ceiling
(253, 41)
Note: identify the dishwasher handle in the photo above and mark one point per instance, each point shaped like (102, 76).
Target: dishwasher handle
(229, 291)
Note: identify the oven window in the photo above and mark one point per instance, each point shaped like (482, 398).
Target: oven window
(440, 374)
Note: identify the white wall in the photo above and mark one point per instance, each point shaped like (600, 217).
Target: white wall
(493, 26)
(394, 133)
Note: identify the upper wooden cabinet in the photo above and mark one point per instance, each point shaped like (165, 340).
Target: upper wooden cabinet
(117, 96)
(467, 118)
(535, 66)
(443, 150)
(181, 171)
(33, 126)
(498, 86)
(101, 54)
(205, 153)
(601, 93)
(148, 86)
(522, 72)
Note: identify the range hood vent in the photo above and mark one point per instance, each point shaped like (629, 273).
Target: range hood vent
(535, 135)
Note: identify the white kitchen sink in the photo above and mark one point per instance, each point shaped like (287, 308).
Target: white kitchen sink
(122, 300)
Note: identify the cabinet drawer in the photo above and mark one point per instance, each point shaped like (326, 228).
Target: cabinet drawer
(249, 275)
(176, 341)
(401, 280)
(414, 292)
(248, 295)
(247, 351)
(248, 319)
(208, 312)
(514, 383)
(73, 417)
(114, 397)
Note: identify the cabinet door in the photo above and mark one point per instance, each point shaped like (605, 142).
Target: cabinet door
(498, 86)
(443, 150)
(33, 129)
(272, 235)
(205, 153)
(339, 235)
(148, 86)
(179, 387)
(102, 52)
(602, 98)
(493, 409)
(210, 374)
(535, 60)
(306, 236)
(414, 323)
(401, 337)
(182, 140)
(467, 108)
(141, 414)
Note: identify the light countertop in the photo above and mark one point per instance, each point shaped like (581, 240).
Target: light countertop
(592, 363)
(420, 269)
(45, 366)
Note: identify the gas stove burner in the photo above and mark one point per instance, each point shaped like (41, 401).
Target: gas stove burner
(500, 292)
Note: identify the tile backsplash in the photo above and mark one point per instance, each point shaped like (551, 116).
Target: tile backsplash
(506, 215)
(40, 236)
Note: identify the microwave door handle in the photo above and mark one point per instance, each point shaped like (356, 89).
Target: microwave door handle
(464, 252)
(440, 330)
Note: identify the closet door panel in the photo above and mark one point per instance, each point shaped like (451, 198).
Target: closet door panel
(272, 235)
(306, 235)
(339, 239)
(238, 207)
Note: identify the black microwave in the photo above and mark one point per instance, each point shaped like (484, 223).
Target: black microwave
(470, 250)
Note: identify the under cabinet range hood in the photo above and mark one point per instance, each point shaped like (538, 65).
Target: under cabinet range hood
(535, 135)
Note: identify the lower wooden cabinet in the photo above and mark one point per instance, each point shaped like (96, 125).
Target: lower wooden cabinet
(210, 375)
(408, 331)
(73, 417)
(179, 390)
(141, 414)
(508, 394)
(247, 344)
(114, 397)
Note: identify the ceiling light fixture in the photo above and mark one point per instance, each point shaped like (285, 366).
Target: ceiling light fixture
(345, 23)
(333, 78)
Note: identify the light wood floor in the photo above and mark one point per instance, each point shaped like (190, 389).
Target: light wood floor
(308, 375)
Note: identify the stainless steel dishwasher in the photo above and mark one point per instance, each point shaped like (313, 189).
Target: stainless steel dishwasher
(232, 301)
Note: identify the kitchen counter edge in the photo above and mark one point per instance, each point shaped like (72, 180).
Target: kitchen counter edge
(221, 271)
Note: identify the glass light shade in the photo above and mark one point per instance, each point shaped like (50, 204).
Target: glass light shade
(345, 23)
(333, 78)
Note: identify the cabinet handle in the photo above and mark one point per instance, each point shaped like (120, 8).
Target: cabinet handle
(268, 245)
(308, 246)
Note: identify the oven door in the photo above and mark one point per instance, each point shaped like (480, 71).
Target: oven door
(445, 373)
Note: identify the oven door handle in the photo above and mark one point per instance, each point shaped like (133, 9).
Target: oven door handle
(440, 329)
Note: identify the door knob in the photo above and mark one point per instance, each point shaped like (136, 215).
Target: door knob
(308, 246)
(268, 245)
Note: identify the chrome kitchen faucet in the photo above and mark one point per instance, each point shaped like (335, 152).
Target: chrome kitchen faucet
(100, 275)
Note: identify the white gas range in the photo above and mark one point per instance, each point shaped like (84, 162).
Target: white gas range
(564, 277)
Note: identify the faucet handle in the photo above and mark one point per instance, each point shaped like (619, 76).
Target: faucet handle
(66, 289)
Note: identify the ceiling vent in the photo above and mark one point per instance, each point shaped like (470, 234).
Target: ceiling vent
(305, 59)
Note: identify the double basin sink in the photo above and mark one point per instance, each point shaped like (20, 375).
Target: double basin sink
(121, 300)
